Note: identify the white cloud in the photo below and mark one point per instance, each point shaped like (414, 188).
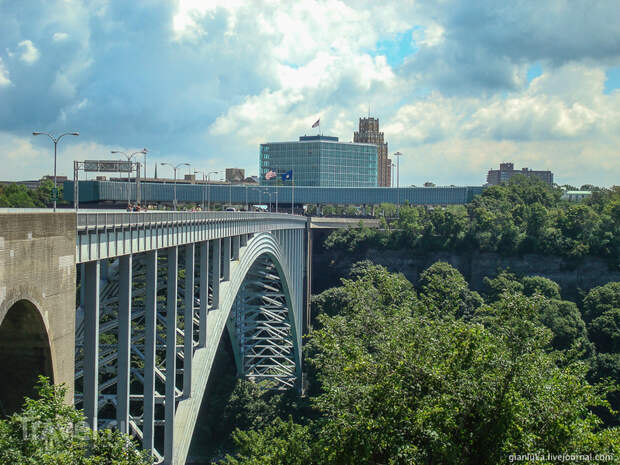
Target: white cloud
(4, 75)
(30, 54)
(205, 81)
(573, 130)
(430, 36)
(60, 36)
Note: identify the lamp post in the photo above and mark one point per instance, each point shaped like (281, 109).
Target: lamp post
(398, 155)
(55, 141)
(209, 189)
(129, 157)
(175, 180)
(276, 194)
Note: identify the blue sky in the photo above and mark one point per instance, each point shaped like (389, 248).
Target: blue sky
(458, 86)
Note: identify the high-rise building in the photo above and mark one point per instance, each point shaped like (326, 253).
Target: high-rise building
(507, 171)
(369, 134)
(319, 161)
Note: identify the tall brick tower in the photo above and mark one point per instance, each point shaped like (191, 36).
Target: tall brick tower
(369, 134)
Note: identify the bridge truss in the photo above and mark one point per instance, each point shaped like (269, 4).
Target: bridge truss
(151, 388)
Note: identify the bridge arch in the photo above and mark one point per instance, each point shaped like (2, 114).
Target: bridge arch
(25, 353)
(264, 245)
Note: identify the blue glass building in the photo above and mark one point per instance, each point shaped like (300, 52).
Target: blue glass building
(320, 161)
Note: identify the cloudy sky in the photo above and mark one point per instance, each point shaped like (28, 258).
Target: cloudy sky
(459, 86)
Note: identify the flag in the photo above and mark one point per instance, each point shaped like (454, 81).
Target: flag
(270, 174)
(317, 123)
(288, 175)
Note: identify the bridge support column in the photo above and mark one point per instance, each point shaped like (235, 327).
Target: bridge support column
(236, 244)
(204, 293)
(226, 259)
(124, 342)
(188, 320)
(215, 271)
(243, 241)
(150, 327)
(171, 353)
(91, 342)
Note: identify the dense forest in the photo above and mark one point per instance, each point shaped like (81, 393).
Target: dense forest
(520, 217)
(438, 373)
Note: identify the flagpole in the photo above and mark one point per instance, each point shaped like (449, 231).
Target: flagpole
(293, 193)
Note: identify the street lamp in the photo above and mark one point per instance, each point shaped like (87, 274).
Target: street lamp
(209, 189)
(276, 194)
(55, 141)
(398, 155)
(174, 168)
(129, 157)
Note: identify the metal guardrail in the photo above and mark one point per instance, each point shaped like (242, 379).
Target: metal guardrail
(88, 220)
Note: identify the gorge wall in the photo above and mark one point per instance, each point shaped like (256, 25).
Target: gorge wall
(330, 265)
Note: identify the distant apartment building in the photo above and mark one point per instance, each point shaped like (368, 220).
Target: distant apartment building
(507, 171)
(369, 134)
(235, 174)
(320, 161)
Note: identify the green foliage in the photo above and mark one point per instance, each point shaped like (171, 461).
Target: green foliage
(20, 196)
(605, 331)
(601, 299)
(563, 318)
(399, 387)
(522, 216)
(47, 431)
(444, 291)
(281, 443)
(504, 282)
(539, 285)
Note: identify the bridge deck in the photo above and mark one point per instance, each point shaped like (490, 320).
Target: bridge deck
(110, 233)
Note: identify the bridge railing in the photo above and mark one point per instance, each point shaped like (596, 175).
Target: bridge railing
(88, 220)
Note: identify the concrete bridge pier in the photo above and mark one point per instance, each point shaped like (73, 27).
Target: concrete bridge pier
(37, 303)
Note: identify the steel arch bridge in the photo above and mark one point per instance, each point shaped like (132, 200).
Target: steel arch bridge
(143, 284)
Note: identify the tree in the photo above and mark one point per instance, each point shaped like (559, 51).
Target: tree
(601, 299)
(49, 432)
(504, 282)
(398, 387)
(540, 285)
(605, 331)
(563, 318)
(281, 443)
(444, 291)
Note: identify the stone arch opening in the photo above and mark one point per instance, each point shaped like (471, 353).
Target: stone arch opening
(24, 355)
